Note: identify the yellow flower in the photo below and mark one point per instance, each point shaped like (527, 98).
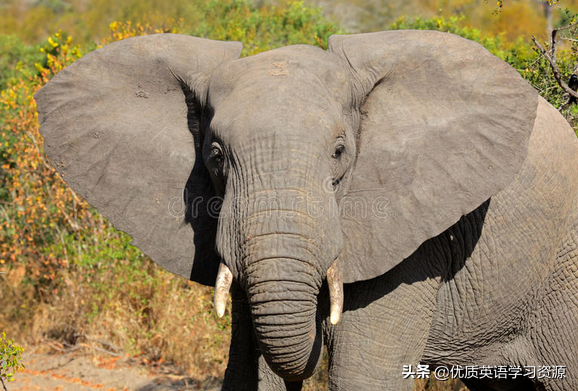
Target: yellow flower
(52, 43)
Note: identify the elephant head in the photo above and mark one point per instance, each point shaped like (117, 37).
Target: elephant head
(268, 169)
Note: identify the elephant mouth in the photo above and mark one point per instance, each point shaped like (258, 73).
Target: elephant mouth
(334, 282)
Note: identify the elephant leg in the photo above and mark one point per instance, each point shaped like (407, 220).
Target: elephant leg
(241, 373)
(247, 369)
(549, 328)
(384, 326)
(555, 342)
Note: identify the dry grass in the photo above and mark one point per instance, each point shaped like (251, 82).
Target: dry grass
(170, 320)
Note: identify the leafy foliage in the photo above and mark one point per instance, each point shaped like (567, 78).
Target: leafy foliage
(540, 74)
(37, 209)
(260, 28)
(16, 59)
(10, 357)
(237, 20)
(515, 53)
(265, 28)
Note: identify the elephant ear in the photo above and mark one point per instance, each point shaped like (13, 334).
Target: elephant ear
(121, 127)
(444, 126)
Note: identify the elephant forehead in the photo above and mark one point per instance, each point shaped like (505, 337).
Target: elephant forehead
(295, 73)
(235, 121)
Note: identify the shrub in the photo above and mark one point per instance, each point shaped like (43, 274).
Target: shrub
(17, 59)
(10, 356)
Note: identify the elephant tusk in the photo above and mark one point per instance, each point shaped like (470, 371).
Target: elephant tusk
(222, 286)
(335, 282)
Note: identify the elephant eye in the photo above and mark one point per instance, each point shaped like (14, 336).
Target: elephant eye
(216, 154)
(339, 149)
(216, 158)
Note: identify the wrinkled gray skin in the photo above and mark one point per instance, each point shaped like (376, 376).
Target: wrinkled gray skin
(444, 187)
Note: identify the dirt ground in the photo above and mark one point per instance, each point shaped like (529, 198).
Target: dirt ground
(89, 371)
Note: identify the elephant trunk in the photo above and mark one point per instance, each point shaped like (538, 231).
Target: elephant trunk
(285, 325)
(286, 253)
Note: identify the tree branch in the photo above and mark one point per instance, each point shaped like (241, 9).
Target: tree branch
(551, 57)
(566, 27)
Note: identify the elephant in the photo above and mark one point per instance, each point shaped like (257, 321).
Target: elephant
(404, 198)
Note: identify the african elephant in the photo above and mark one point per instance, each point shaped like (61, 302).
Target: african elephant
(402, 197)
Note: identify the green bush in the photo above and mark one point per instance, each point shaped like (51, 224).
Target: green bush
(16, 59)
(259, 27)
(289, 23)
(10, 356)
